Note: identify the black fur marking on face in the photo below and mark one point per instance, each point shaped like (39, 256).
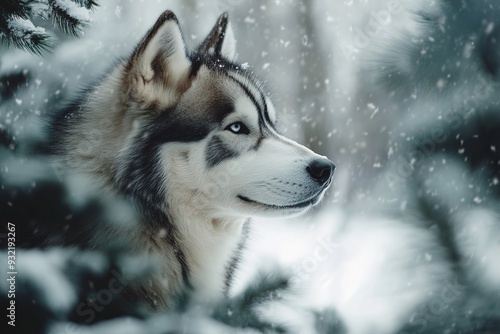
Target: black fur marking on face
(143, 175)
(142, 180)
(235, 260)
(217, 152)
(262, 111)
(265, 113)
(225, 67)
(259, 142)
(250, 96)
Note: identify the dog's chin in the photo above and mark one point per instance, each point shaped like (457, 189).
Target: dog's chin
(264, 209)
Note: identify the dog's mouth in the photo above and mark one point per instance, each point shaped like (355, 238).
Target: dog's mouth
(300, 205)
(290, 208)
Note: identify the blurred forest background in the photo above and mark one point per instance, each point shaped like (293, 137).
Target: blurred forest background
(403, 95)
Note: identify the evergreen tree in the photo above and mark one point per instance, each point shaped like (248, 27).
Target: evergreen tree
(23, 23)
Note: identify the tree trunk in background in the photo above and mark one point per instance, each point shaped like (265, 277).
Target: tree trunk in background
(312, 84)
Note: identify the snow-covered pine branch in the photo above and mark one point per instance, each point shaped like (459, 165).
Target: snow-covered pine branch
(23, 34)
(69, 16)
(17, 17)
(89, 4)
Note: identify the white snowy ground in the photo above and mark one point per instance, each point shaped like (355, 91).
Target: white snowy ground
(373, 271)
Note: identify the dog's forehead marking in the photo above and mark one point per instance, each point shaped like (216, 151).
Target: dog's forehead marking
(259, 100)
(271, 111)
(242, 105)
(208, 99)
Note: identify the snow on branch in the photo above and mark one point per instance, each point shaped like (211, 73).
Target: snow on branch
(24, 34)
(89, 4)
(17, 17)
(69, 16)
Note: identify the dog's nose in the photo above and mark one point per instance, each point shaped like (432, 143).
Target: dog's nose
(321, 170)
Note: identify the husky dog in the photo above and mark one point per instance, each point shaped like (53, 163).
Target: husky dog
(191, 139)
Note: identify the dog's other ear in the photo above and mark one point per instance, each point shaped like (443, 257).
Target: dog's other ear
(220, 41)
(159, 69)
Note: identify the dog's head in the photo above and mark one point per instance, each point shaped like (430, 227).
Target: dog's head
(205, 131)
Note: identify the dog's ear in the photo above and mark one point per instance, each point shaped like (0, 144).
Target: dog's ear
(220, 41)
(159, 69)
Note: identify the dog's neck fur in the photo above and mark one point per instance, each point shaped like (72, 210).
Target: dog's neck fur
(208, 247)
(209, 244)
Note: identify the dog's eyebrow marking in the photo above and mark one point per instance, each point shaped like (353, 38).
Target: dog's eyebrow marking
(271, 111)
(250, 96)
(262, 110)
(266, 113)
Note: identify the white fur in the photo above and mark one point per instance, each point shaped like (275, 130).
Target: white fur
(229, 44)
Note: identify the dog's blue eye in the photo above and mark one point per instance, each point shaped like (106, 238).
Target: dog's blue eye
(238, 128)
